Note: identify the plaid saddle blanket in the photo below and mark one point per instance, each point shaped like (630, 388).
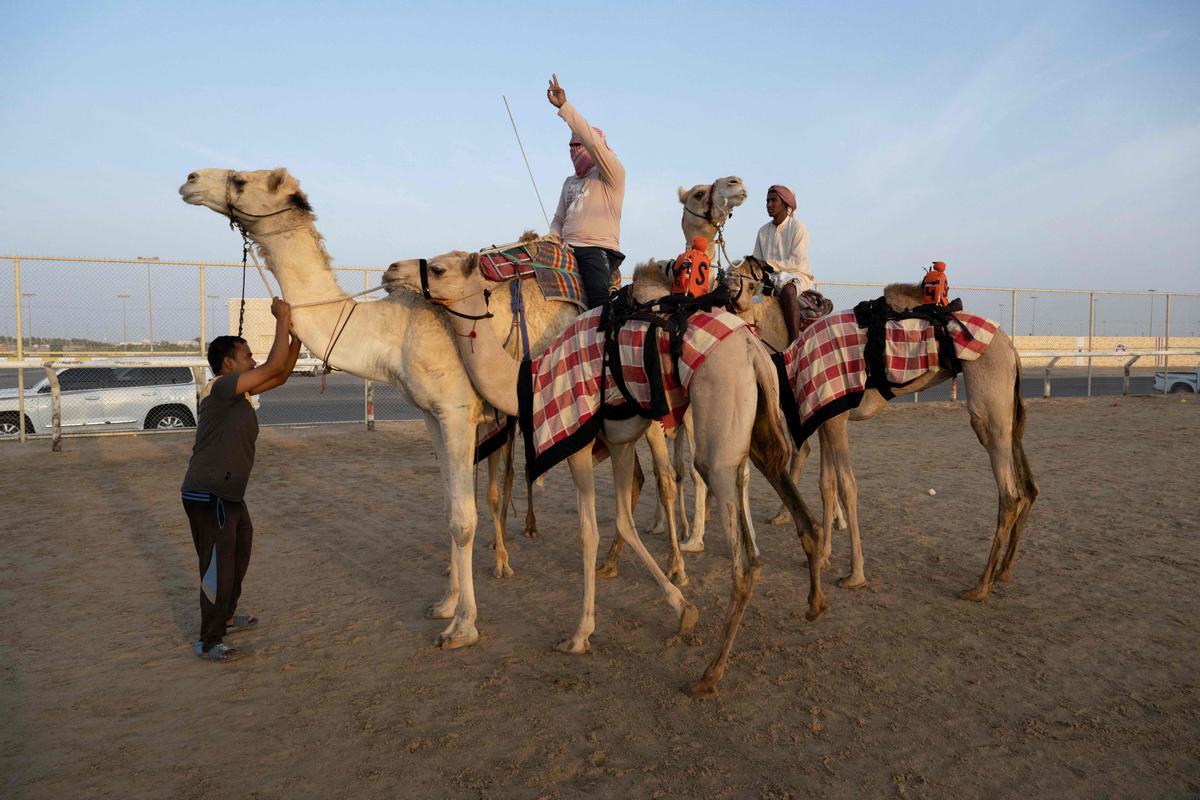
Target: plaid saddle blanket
(551, 263)
(827, 366)
(559, 392)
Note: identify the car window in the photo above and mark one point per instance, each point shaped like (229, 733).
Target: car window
(153, 376)
(85, 378)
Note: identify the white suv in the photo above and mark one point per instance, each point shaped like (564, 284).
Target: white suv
(106, 399)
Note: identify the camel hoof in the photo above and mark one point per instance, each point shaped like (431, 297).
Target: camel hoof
(816, 610)
(531, 533)
(657, 530)
(679, 578)
(782, 518)
(606, 570)
(692, 546)
(443, 609)
(573, 647)
(1005, 576)
(851, 582)
(459, 638)
(503, 571)
(701, 689)
(976, 595)
(688, 618)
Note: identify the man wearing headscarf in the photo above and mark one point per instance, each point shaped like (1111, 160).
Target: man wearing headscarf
(588, 217)
(782, 244)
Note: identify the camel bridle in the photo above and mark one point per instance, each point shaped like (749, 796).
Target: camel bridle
(719, 239)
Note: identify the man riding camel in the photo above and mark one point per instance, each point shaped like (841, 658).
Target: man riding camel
(588, 217)
(782, 245)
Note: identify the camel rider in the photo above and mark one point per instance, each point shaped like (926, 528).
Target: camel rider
(782, 244)
(588, 217)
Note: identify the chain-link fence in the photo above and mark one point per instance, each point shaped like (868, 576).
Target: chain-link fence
(147, 308)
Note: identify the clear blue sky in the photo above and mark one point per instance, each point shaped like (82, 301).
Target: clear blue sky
(1024, 143)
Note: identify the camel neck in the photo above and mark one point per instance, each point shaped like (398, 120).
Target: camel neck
(492, 370)
(301, 265)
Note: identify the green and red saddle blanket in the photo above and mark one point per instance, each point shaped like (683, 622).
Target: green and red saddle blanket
(548, 260)
(831, 365)
(604, 367)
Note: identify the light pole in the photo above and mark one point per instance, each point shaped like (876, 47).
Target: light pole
(124, 321)
(1033, 314)
(28, 317)
(149, 299)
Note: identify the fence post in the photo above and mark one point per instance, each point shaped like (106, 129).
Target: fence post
(1167, 344)
(1013, 330)
(954, 388)
(20, 352)
(55, 409)
(369, 403)
(1091, 333)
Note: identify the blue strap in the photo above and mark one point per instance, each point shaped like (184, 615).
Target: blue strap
(518, 310)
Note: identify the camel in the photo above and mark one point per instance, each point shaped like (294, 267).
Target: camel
(400, 341)
(733, 402)
(993, 384)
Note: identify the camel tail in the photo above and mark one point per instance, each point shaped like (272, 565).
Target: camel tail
(1024, 474)
(771, 436)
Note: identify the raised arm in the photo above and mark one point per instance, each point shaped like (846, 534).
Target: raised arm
(612, 171)
(293, 355)
(253, 381)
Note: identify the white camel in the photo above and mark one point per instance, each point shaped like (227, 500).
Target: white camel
(734, 403)
(400, 341)
(993, 384)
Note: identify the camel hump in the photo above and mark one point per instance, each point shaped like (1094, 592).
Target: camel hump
(904, 296)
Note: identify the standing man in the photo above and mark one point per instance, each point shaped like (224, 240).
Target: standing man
(215, 484)
(588, 217)
(782, 244)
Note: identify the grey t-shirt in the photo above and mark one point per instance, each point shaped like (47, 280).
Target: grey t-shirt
(225, 435)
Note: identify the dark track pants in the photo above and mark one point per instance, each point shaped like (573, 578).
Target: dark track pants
(222, 533)
(596, 265)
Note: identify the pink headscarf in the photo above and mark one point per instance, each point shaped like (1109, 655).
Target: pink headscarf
(581, 158)
(785, 195)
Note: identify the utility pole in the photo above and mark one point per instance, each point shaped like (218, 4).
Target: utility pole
(1033, 315)
(149, 299)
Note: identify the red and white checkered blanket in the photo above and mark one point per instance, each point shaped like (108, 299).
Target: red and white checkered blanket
(560, 392)
(826, 366)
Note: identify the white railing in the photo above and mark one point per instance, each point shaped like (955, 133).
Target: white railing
(1129, 356)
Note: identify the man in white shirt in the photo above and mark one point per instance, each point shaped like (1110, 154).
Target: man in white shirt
(782, 244)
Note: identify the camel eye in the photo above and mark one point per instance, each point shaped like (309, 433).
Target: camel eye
(437, 270)
(238, 181)
(698, 195)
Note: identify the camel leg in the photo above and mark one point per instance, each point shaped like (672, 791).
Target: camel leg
(695, 540)
(998, 419)
(657, 440)
(609, 568)
(498, 512)
(727, 484)
(679, 468)
(782, 516)
(583, 473)
(835, 439)
(623, 454)
(531, 530)
(458, 604)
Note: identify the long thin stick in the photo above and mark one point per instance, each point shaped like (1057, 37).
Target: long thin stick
(531, 180)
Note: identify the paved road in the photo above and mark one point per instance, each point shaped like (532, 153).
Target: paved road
(301, 400)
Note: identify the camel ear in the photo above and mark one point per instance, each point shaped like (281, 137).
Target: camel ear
(275, 179)
(471, 266)
(683, 193)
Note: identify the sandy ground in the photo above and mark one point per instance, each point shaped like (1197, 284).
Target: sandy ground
(1079, 679)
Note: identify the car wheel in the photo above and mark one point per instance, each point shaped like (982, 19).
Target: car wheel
(1180, 388)
(9, 425)
(170, 417)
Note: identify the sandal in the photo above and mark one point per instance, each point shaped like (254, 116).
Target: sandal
(218, 652)
(241, 622)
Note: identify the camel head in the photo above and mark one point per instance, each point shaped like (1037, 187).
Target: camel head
(707, 206)
(745, 280)
(449, 277)
(246, 197)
